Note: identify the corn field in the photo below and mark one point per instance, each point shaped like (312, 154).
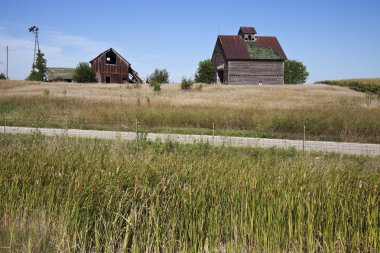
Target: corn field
(79, 195)
(369, 85)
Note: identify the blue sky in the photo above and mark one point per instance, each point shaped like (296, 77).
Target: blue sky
(334, 39)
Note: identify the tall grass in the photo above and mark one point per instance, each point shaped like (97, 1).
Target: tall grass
(76, 195)
(329, 113)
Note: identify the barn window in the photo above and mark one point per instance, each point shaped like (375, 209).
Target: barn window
(110, 57)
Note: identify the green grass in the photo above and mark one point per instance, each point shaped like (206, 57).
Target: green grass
(77, 195)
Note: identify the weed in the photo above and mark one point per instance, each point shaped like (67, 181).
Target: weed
(46, 92)
(60, 194)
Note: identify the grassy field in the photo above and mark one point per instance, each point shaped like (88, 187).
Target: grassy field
(328, 112)
(368, 85)
(76, 195)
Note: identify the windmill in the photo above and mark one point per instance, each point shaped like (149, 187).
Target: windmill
(34, 29)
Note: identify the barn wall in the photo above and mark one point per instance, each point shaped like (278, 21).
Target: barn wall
(218, 59)
(253, 72)
(117, 72)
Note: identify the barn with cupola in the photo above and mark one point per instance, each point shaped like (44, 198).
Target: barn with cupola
(248, 59)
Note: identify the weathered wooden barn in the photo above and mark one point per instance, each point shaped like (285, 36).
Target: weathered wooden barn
(248, 59)
(111, 67)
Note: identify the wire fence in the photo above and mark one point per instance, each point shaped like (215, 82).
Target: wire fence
(133, 129)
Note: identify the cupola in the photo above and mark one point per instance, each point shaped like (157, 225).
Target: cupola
(248, 33)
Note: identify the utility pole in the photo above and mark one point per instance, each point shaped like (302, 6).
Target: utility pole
(7, 78)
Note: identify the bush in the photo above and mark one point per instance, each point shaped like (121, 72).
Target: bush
(295, 72)
(159, 76)
(83, 73)
(155, 85)
(2, 76)
(205, 72)
(186, 84)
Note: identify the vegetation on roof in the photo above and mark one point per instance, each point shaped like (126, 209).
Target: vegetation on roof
(60, 73)
(261, 53)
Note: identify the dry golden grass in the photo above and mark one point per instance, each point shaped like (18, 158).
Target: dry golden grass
(237, 96)
(329, 112)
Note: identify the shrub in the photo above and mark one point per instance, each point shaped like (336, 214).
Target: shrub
(159, 76)
(186, 84)
(2, 76)
(205, 72)
(83, 73)
(155, 85)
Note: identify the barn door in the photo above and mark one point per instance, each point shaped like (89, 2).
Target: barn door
(221, 76)
(108, 79)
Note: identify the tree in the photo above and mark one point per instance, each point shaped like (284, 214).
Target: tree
(205, 72)
(2, 76)
(83, 73)
(295, 72)
(38, 72)
(159, 76)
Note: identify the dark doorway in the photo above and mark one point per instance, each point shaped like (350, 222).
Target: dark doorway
(108, 79)
(221, 75)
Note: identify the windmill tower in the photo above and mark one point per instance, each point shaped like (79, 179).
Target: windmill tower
(34, 29)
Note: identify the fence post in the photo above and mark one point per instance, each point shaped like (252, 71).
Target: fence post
(5, 123)
(213, 133)
(137, 130)
(304, 138)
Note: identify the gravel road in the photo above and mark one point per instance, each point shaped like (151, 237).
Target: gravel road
(336, 147)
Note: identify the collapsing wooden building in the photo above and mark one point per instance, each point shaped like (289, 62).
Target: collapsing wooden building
(248, 59)
(111, 67)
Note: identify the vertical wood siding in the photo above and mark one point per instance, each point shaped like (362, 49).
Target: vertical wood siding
(117, 72)
(218, 59)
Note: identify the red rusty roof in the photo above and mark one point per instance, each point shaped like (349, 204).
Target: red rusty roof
(235, 48)
(247, 30)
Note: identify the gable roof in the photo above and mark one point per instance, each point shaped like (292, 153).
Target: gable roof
(247, 30)
(263, 48)
(113, 50)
